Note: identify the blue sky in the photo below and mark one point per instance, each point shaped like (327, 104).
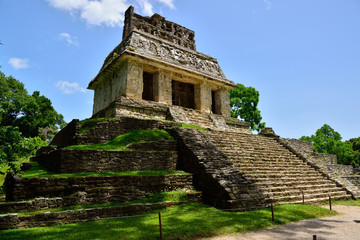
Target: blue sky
(302, 56)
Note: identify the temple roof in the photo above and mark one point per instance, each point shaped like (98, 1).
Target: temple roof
(155, 39)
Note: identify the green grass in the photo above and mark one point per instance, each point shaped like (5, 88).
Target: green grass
(184, 125)
(175, 196)
(119, 143)
(38, 171)
(347, 202)
(186, 221)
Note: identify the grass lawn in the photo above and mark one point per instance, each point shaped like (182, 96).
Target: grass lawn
(347, 202)
(186, 221)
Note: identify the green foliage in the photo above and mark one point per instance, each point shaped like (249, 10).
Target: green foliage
(9, 145)
(327, 140)
(186, 221)
(355, 143)
(243, 104)
(21, 117)
(119, 143)
(27, 112)
(38, 171)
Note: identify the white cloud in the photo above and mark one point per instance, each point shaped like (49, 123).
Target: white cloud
(169, 3)
(267, 4)
(19, 63)
(69, 88)
(105, 12)
(68, 4)
(69, 39)
(146, 7)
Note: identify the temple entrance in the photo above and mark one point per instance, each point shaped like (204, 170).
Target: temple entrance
(148, 89)
(213, 106)
(183, 94)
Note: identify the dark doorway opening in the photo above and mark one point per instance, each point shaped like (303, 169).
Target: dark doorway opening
(183, 94)
(148, 89)
(213, 107)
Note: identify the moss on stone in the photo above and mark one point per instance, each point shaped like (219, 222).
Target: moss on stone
(119, 143)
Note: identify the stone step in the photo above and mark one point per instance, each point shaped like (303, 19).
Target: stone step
(288, 172)
(305, 192)
(283, 175)
(284, 180)
(310, 200)
(263, 159)
(278, 173)
(264, 163)
(292, 198)
(265, 167)
(291, 183)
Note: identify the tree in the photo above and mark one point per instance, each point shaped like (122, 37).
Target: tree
(22, 116)
(243, 104)
(27, 112)
(327, 140)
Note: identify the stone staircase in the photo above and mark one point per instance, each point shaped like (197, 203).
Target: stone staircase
(196, 117)
(278, 173)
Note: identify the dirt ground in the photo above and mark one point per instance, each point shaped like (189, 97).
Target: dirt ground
(341, 227)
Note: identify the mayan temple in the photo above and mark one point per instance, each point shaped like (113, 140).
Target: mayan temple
(155, 83)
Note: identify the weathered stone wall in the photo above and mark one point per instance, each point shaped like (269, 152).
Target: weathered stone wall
(221, 183)
(340, 169)
(353, 179)
(111, 89)
(234, 123)
(105, 130)
(159, 27)
(326, 161)
(96, 189)
(301, 146)
(340, 182)
(73, 160)
(134, 80)
(154, 146)
(31, 205)
(66, 136)
(162, 87)
(222, 99)
(203, 97)
(11, 221)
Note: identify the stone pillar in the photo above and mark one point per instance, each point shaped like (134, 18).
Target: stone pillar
(134, 80)
(203, 97)
(162, 87)
(222, 102)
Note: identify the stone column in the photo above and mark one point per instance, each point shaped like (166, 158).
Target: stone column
(162, 87)
(134, 80)
(222, 102)
(203, 97)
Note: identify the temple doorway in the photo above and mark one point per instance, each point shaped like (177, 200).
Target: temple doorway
(148, 86)
(183, 94)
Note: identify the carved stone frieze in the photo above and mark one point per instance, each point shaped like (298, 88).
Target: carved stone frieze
(163, 51)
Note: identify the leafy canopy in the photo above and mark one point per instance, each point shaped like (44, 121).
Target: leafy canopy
(327, 140)
(22, 118)
(243, 104)
(27, 112)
